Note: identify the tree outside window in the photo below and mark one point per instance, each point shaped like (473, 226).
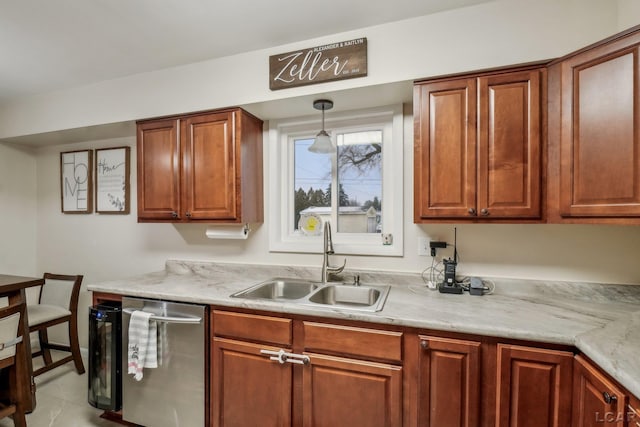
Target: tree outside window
(356, 169)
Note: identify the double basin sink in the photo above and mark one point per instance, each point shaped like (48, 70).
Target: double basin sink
(306, 292)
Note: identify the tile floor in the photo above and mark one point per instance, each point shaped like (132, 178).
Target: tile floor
(61, 396)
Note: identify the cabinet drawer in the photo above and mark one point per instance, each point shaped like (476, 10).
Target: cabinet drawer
(268, 329)
(359, 342)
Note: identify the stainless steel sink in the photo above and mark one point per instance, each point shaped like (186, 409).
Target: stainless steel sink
(351, 296)
(275, 289)
(298, 291)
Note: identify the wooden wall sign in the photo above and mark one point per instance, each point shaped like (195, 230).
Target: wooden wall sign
(336, 61)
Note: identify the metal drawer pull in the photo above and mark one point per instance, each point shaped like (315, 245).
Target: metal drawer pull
(424, 344)
(168, 319)
(283, 357)
(609, 398)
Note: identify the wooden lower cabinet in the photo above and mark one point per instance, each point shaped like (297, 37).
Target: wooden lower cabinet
(449, 382)
(339, 384)
(597, 401)
(533, 387)
(633, 412)
(348, 392)
(248, 388)
(343, 375)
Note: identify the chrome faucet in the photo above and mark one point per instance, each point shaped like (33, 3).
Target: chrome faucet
(328, 250)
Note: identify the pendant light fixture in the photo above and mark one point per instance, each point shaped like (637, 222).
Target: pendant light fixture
(322, 144)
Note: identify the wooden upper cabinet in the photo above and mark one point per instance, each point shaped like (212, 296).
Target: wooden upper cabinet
(477, 146)
(158, 162)
(201, 167)
(533, 387)
(449, 382)
(210, 164)
(599, 152)
(597, 401)
(444, 149)
(509, 154)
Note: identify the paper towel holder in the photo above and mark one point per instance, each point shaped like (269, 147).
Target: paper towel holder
(228, 232)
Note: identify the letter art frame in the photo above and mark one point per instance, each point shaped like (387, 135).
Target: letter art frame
(112, 169)
(76, 182)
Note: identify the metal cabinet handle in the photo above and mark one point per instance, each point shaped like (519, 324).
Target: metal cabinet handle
(283, 357)
(609, 398)
(472, 211)
(424, 344)
(484, 212)
(188, 214)
(174, 214)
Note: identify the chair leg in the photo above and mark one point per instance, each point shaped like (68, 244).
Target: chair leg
(75, 346)
(18, 416)
(19, 419)
(44, 346)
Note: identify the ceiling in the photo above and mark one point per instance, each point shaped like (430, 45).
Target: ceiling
(52, 45)
(47, 46)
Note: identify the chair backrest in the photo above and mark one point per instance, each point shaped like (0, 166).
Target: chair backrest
(61, 290)
(9, 321)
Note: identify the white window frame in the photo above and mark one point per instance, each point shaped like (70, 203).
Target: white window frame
(281, 134)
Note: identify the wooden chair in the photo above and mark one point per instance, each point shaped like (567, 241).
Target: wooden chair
(58, 303)
(9, 338)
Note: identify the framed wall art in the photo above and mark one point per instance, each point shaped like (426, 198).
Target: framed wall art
(76, 184)
(112, 180)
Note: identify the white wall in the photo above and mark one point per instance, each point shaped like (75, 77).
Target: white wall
(486, 35)
(17, 211)
(628, 14)
(105, 247)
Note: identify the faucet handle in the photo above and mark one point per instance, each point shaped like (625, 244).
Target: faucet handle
(356, 280)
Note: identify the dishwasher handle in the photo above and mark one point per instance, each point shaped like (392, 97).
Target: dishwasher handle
(169, 319)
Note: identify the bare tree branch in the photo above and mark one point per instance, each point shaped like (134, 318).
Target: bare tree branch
(362, 157)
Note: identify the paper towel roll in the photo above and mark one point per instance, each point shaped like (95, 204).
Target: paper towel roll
(228, 232)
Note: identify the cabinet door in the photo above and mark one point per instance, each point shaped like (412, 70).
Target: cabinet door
(210, 166)
(445, 149)
(596, 400)
(509, 148)
(158, 170)
(600, 132)
(449, 383)
(348, 392)
(247, 388)
(633, 412)
(533, 387)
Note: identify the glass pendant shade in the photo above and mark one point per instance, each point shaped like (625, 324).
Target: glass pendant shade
(322, 144)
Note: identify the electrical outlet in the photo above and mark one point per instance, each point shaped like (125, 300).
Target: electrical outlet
(423, 246)
(387, 239)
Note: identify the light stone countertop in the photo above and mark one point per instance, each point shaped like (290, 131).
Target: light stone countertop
(603, 321)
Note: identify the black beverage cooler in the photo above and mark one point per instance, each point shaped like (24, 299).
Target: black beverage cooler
(105, 356)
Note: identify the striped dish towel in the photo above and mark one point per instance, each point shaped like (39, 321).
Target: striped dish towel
(142, 349)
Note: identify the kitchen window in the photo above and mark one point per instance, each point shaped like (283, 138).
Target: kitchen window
(358, 188)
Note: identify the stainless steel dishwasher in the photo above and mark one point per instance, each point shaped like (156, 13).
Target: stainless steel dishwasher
(172, 394)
